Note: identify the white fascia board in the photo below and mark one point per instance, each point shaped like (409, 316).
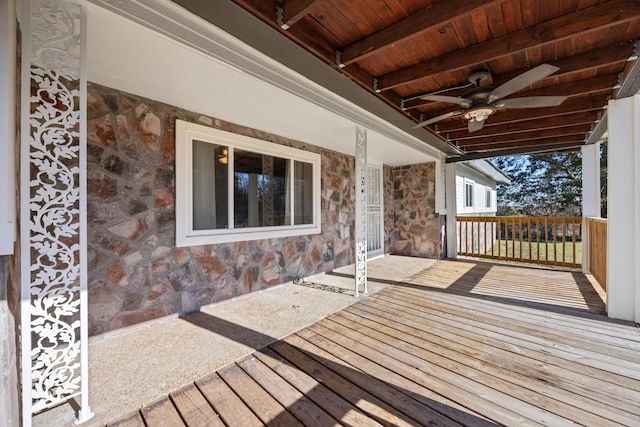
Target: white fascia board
(176, 23)
(7, 125)
(488, 169)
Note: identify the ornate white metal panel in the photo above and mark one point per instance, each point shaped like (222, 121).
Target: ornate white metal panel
(361, 210)
(53, 216)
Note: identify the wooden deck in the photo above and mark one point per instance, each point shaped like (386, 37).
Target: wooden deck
(457, 344)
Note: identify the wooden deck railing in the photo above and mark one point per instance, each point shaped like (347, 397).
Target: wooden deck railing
(537, 240)
(598, 249)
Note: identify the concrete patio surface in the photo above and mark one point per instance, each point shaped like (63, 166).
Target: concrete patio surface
(133, 367)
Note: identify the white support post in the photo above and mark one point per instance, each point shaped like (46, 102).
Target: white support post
(623, 209)
(53, 207)
(451, 202)
(361, 211)
(7, 125)
(590, 195)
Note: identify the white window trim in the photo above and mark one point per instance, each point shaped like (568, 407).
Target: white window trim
(488, 203)
(473, 189)
(186, 132)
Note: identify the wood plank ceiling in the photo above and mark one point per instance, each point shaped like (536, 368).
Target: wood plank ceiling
(402, 50)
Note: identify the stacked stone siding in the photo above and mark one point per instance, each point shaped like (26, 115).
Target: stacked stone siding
(416, 230)
(388, 208)
(136, 273)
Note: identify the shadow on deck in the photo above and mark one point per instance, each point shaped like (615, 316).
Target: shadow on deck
(460, 343)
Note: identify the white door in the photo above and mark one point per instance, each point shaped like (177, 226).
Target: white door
(375, 222)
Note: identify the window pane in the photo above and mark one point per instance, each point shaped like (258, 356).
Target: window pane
(210, 186)
(303, 197)
(260, 190)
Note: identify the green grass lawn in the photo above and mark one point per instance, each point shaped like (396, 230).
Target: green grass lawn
(538, 251)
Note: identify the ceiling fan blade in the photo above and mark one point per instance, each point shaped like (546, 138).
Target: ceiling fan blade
(475, 125)
(438, 118)
(449, 99)
(523, 80)
(530, 102)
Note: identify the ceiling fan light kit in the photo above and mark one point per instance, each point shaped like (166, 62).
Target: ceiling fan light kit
(478, 114)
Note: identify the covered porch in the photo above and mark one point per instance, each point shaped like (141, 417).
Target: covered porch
(464, 343)
(456, 342)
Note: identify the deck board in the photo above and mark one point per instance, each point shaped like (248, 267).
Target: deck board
(460, 343)
(194, 408)
(231, 408)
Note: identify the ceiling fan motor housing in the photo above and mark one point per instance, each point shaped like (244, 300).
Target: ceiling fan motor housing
(478, 76)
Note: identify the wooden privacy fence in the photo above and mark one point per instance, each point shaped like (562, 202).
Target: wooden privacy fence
(537, 240)
(598, 249)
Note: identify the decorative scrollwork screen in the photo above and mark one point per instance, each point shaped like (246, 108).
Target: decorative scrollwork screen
(361, 210)
(53, 255)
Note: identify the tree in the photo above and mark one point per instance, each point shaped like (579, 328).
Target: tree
(543, 185)
(547, 184)
(603, 177)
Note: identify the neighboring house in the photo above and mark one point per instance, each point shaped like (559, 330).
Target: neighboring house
(476, 182)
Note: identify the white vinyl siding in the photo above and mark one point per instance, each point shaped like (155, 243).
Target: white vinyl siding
(484, 192)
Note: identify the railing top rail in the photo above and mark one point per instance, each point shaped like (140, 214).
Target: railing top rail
(596, 219)
(494, 218)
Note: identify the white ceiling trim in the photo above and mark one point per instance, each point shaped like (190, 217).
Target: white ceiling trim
(176, 23)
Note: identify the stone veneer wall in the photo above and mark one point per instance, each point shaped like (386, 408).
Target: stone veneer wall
(135, 271)
(388, 208)
(416, 229)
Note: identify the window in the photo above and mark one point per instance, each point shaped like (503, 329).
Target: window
(489, 198)
(468, 194)
(231, 187)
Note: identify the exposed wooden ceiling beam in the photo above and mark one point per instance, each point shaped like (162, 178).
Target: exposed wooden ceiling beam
(530, 125)
(524, 136)
(534, 143)
(586, 20)
(586, 61)
(307, 37)
(294, 10)
(515, 151)
(570, 106)
(420, 22)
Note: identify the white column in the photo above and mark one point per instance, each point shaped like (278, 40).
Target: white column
(53, 220)
(590, 195)
(451, 202)
(361, 211)
(7, 125)
(623, 209)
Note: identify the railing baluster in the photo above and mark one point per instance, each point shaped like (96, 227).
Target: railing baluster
(499, 225)
(573, 240)
(477, 233)
(520, 232)
(564, 242)
(538, 240)
(513, 238)
(473, 235)
(529, 236)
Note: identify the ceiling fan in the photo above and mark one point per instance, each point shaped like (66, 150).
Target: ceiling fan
(482, 101)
